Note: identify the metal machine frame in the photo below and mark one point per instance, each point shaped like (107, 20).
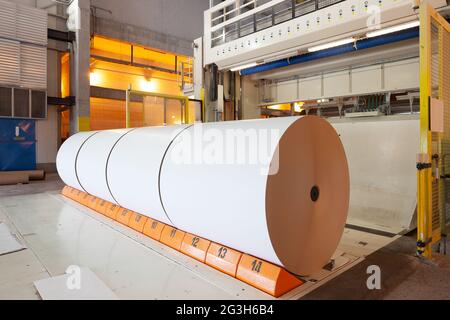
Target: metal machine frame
(433, 163)
(236, 34)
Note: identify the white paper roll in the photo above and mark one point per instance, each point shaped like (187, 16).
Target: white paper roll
(67, 158)
(134, 167)
(277, 189)
(92, 162)
(222, 202)
(272, 217)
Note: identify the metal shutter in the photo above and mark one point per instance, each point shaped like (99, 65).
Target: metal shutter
(9, 62)
(33, 66)
(7, 19)
(32, 25)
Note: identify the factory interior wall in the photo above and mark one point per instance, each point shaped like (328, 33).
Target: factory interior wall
(113, 78)
(109, 114)
(147, 16)
(158, 15)
(114, 67)
(38, 4)
(47, 131)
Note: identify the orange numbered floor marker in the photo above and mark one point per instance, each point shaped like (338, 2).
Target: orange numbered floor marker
(137, 222)
(73, 193)
(258, 273)
(78, 196)
(172, 237)
(112, 210)
(124, 216)
(153, 229)
(223, 259)
(92, 203)
(66, 191)
(195, 247)
(84, 199)
(101, 206)
(97, 202)
(267, 277)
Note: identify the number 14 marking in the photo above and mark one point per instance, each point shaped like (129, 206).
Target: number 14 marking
(256, 266)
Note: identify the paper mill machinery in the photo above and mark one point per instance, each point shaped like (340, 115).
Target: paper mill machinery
(359, 65)
(356, 63)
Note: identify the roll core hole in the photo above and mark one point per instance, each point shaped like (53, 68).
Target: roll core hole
(315, 193)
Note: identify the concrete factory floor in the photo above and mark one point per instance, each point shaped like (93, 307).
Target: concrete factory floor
(43, 221)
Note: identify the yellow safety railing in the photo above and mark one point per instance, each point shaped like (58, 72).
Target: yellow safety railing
(433, 162)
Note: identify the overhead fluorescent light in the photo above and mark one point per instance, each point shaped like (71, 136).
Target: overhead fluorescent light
(393, 29)
(245, 66)
(331, 44)
(279, 57)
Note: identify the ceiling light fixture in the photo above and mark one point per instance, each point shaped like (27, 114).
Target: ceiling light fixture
(331, 44)
(245, 66)
(393, 29)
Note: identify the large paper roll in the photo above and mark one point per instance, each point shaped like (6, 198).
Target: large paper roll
(67, 158)
(277, 189)
(293, 217)
(92, 162)
(134, 166)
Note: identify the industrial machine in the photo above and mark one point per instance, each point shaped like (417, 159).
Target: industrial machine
(221, 231)
(165, 174)
(248, 33)
(358, 64)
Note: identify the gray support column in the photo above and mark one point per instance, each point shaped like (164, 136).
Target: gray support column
(79, 22)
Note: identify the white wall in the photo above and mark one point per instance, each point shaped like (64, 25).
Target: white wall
(47, 138)
(178, 18)
(47, 132)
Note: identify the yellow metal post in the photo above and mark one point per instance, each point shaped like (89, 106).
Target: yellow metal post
(127, 108)
(186, 110)
(203, 105)
(434, 146)
(84, 124)
(424, 160)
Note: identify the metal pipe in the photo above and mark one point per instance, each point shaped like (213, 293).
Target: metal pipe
(359, 45)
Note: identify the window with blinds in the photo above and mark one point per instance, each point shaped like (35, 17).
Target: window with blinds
(23, 103)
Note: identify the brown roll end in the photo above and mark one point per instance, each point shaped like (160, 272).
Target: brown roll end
(307, 201)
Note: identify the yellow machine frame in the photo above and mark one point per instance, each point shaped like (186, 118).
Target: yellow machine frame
(433, 162)
(183, 99)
